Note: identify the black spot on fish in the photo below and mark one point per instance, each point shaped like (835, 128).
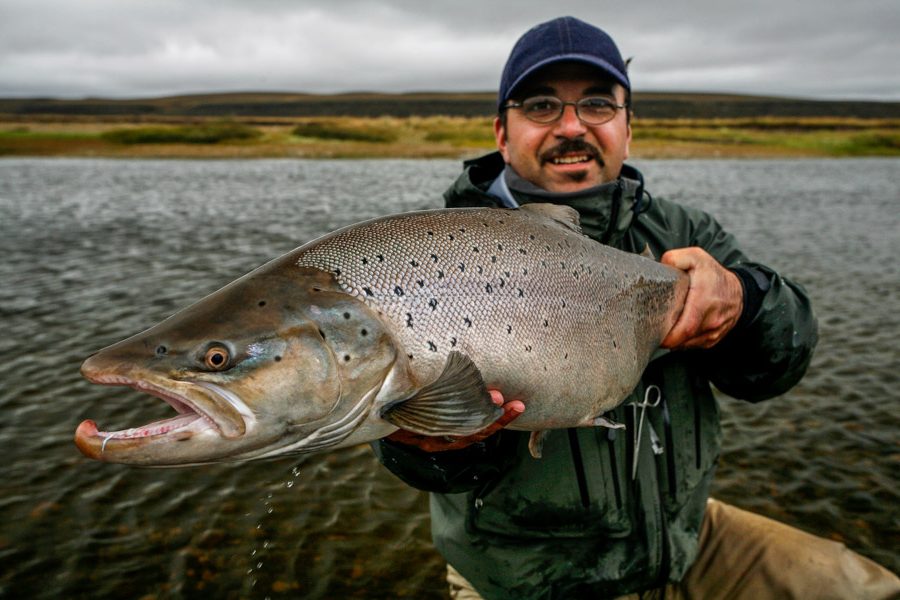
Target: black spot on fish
(317, 289)
(440, 274)
(521, 293)
(523, 251)
(434, 257)
(380, 258)
(474, 248)
(421, 283)
(451, 237)
(480, 270)
(531, 236)
(562, 264)
(563, 303)
(346, 358)
(410, 356)
(365, 261)
(615, 345)
(432, 347)
(414, 263)
(500, 247)
(546, 323)
(462, 267)
(509, 329)
(364, 332)
(430, 232)
(524, 271)
(502, 282)
(453, 342)
(337, 272)
(368, 291)
(467, 321)
(346, 315)
(398, 290)
(566, 357)
(322, 334)
(493, 259)
(527, 348)
(161, 350)
(462, 229)
(409, 319)
(488, 288)
(433, 304)
(261, 303)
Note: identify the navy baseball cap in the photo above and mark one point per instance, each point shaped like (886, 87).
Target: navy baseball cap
(562, 39)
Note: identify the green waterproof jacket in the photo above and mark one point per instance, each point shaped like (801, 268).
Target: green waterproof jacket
(574, 523)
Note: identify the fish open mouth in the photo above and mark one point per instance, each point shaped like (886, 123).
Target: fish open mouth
(190, 420)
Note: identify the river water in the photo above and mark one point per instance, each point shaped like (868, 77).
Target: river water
(96, 250)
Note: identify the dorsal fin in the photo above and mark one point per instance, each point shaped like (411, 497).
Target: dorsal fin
(560, 213)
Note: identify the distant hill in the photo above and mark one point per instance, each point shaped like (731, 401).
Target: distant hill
(260, 105)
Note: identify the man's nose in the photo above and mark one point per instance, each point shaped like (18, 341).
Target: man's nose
(569, 125)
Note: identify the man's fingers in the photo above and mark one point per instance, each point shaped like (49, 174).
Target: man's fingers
(496, 397)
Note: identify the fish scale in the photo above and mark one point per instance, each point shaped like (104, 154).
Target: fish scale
(535, 295)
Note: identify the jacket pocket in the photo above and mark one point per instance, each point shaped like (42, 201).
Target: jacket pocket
(687, 425)
(574, 491)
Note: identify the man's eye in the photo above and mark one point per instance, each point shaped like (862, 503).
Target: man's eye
(541, 105)
(596, 103)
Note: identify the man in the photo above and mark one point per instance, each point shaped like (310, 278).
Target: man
(595, 518)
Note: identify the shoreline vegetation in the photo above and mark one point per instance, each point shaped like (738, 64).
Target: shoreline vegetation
(427, 126)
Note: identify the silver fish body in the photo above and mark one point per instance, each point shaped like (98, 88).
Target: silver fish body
(402, 321)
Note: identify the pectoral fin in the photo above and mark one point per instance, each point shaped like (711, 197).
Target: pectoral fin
(456, 403)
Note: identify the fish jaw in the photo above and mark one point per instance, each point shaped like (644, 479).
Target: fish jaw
(209, 425)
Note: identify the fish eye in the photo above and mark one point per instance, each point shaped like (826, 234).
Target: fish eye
(217, 358)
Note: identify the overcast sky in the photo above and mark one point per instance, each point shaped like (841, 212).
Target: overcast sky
(138, 48)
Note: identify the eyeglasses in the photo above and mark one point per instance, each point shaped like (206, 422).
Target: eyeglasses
(592, 110)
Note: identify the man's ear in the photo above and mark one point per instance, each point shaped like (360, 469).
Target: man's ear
(500, 137)
(627, 141)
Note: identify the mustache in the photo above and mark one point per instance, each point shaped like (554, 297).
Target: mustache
(571, 147)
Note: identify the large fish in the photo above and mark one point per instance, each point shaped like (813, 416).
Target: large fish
(399, 322)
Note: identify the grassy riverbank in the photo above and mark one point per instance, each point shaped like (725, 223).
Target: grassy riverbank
(425, 137)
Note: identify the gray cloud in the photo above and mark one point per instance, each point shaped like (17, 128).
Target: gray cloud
(812, 48)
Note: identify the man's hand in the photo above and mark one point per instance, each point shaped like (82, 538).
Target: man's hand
(428, 443)
(714, 300)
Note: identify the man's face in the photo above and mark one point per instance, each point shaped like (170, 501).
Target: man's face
(566, 155)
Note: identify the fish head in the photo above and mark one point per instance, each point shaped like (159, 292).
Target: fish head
(257, 369)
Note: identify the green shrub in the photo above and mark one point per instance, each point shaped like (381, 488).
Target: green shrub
(205, 133)
(350, 132)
